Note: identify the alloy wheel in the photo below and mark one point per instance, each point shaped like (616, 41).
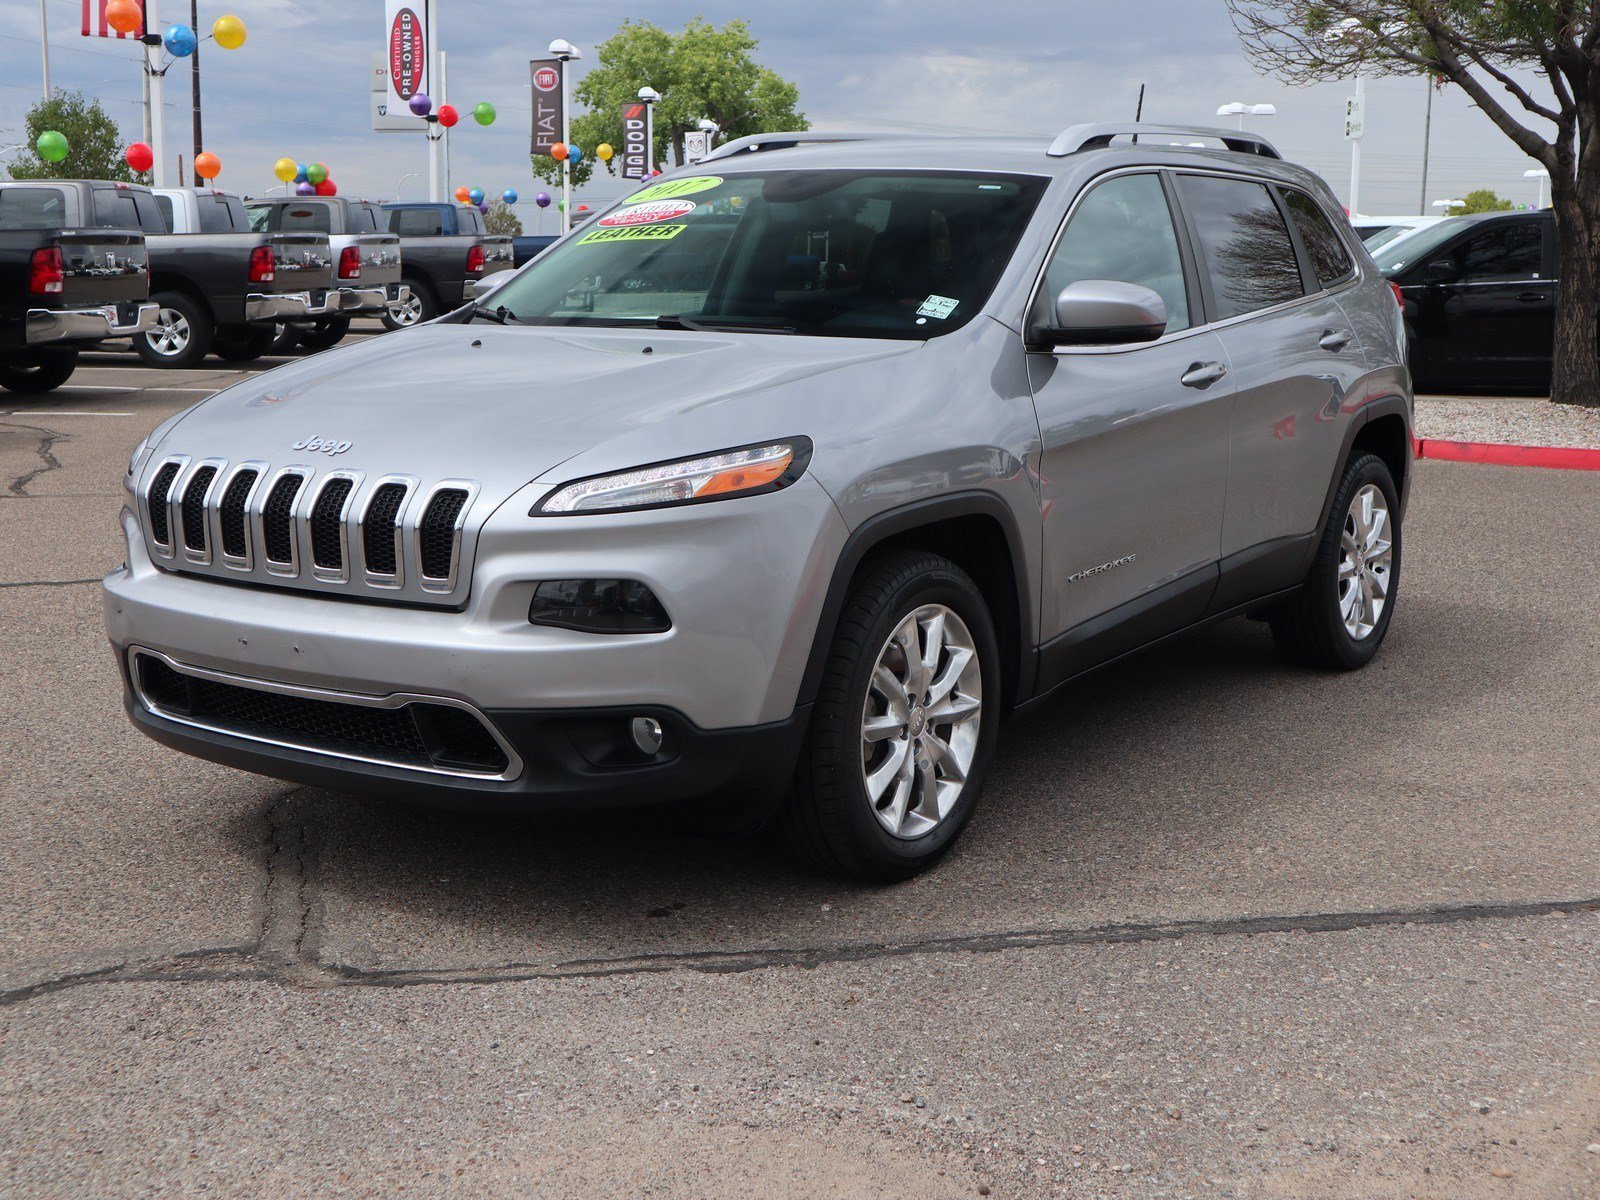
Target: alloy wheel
(407, 311)
(170, 337)
(920, 722)
(1366, 562)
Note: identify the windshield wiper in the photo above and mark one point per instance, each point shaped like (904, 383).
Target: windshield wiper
(500, 315)
(680, 321)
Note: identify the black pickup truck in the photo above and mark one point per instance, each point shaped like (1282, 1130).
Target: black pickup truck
(447, 249)
(63, 288)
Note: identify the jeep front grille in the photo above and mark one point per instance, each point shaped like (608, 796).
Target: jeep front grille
(387, 537)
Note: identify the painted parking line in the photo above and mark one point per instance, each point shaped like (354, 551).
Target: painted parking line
(62, 412)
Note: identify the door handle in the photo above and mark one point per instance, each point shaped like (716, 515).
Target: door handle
(1203, 375)
(1335, 339)
(1532, 297)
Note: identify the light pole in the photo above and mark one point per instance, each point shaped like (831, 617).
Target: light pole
(567, 53)
(402, 183)
(1447, 205)
(1236, 109)
(1543, 176)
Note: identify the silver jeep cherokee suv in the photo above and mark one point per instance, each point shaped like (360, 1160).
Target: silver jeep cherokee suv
(765, 494)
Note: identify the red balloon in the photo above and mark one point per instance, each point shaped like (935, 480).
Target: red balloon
(139, 156)
(448, 116)
(327, 188)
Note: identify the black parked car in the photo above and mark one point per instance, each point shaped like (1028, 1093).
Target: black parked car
(1480, 300)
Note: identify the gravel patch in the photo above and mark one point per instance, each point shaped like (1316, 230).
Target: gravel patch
(1520, 421)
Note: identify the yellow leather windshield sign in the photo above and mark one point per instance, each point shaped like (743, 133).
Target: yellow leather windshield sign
(633, 233)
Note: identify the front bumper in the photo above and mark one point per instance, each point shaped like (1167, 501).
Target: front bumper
(45, 326)
(374, 299)
(292, 306)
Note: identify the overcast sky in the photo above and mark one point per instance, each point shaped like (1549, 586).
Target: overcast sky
(299, 85)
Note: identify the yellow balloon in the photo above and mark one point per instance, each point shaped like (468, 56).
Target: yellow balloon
(285, 169)
(229, 32)
(604, 151)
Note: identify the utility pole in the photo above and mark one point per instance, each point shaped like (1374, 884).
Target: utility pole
(194, 81)
(44, 45)
(1427, 142)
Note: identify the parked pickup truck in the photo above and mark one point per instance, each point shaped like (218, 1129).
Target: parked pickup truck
(447, 249)
(368, 269)
(62, 287)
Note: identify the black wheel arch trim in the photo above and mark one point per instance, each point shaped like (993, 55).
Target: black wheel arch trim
(1393, 405)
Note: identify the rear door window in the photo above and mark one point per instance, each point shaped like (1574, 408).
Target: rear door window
(216, 214)
(415, 222)
(1244, 244)
(1330, 260)
(364, 218)
(114, 209)
(260, 217)
(1505, 252)
(32, 208)
(164, 203)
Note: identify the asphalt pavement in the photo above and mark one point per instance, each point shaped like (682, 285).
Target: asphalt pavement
(1222, 927)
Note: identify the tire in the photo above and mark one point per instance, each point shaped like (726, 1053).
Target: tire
(285, 339)
(1330, 623)
(325, 333)
(830, 819)
(183, 335)
(244, 343)
(36, 371)
(423, 306)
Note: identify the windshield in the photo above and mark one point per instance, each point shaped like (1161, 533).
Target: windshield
(1377, 241)
(1402, 252)
(835, 253)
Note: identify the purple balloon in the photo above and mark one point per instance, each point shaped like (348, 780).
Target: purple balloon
(484, 209)
(305, 188)
(542, 199)
(421, 105)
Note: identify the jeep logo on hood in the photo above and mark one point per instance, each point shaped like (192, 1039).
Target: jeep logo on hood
(326, 445)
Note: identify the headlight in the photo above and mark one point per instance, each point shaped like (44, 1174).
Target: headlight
(745, 471)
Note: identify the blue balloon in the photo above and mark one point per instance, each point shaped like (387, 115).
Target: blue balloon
(574, 155)
(179, 41)
(509, 195)
(476, 195)
(300, 173)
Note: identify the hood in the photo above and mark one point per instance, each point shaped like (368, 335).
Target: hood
(503, 405)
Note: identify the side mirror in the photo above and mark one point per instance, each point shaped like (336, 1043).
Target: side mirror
(1103, 312)
(1442, 270)
(482, 287)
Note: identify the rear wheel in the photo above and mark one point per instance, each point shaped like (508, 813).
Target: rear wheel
(285, 339)
(325, 332)
(900, 736)
(182, 336)
(35, 371)
(244, 343)
(420, 306)
(1338, 619)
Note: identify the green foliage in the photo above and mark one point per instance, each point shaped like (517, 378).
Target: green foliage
(705, 71)
(500, 219)
(1480, 201)
(96, 142)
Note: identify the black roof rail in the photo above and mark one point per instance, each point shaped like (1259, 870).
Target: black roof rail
(1091, 137)
(783, 141)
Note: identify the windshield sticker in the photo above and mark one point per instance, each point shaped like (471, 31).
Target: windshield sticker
(671, 189)
(633, 233)
(648, 214)
(937, 306)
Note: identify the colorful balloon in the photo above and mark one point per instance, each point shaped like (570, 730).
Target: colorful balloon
(316, 172)
(207, 165)
(180, 41)
(229, 32)
(448, 116)
(125, 16)
(300, 173)
(604, 151)
(542, 199)
(475, 196)
(483, 113)
(139, 156)
(509, 196)
(463, 193)
(558, 151)
(484, 209)
(421, 105)
(582, 208)
(52, 146)
(574, 155)
(327, 188)
(305, 188)
(285, 170)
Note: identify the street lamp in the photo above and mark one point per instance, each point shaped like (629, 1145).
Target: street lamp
(566, 52)
(1236, 109)
(1543, 176)
(1447, 205)
(402, 183)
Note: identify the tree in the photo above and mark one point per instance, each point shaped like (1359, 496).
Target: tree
(1479, 47)
(702, 72)
(95, 142)
(1480, 201)
(500, 219)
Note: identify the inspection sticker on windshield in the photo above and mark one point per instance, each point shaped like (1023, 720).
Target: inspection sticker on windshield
(633, 233)
(937, 306)
(671, 189)
(648, 214)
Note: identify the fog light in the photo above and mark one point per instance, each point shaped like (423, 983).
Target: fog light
(598, 606)
(647, 735)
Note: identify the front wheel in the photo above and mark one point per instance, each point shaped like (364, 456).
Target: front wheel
(36, 371)
(416, 308)
(1338, 619)
(244, 343)
(904, 723)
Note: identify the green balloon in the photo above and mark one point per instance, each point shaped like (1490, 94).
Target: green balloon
(316, 173)
(483, 114)
(52, 146)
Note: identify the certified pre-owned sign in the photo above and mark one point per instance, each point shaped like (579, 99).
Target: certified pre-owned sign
(648, 214)
(407, 54)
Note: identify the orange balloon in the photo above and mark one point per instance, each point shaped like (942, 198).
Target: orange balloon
(124, 15)
(463, 193)
(207, 165)
(558, 151)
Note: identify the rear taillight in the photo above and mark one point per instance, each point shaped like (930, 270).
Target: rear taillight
(474, 260)
(45, 276)
(1399, 296)
(263, 267)
(349, 263)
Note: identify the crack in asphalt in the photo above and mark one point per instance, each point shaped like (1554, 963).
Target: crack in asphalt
(287, 943)
(27, 583)
(45, 450)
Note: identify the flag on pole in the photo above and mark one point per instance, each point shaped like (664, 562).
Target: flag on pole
(94, 21)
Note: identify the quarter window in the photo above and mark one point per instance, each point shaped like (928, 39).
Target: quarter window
(1123, 231)
(1244, 243)
(1511, 250)
(1329, 258)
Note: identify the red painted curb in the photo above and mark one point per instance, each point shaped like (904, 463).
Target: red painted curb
(1560, 457)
